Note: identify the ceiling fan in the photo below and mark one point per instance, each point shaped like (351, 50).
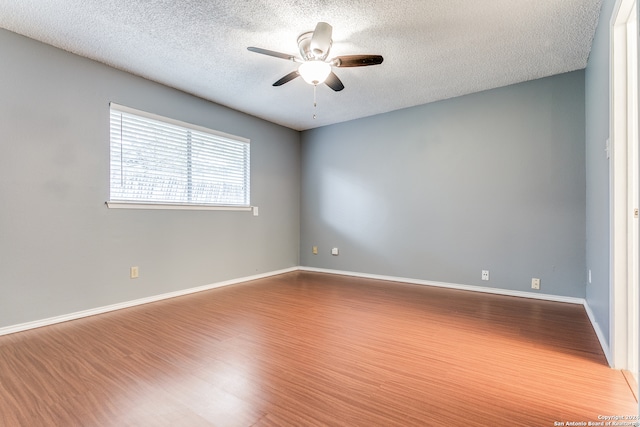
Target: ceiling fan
(315, 67)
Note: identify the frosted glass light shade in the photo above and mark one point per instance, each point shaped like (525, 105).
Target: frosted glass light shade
(314, 72)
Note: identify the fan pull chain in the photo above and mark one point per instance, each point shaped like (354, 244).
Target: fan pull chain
(315, 104)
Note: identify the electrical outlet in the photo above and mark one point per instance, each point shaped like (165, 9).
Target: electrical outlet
(256, 211)
(535, 283)
(314, 250)
(134, 272)
(485, 274)
(335, 251)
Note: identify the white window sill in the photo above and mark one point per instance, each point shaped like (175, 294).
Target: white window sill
(138, 205)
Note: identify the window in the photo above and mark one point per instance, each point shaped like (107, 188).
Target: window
(163, 163)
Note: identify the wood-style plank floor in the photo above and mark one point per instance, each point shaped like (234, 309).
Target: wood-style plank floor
(310, 349)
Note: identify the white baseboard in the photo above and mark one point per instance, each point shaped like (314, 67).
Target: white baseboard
(99, 310)
(508, 292)
(596, 327)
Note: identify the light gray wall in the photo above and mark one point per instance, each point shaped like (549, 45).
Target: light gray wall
(61, 249)
(597, 170)
(493, 180)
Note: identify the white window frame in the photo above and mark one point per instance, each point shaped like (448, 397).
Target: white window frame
(150, 204)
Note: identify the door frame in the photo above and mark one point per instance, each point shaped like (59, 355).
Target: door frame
(623, 151)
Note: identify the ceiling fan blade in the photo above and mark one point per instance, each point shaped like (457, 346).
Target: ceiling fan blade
(321, 40)
(272, 53)
(334, 82)
(357, 60)
(292, 75)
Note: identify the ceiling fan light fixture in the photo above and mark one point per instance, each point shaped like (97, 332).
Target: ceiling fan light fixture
(314, 72)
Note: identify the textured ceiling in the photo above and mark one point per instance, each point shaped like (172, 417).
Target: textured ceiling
(432, 50)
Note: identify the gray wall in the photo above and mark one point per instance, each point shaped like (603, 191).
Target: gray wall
(61, 249)
(493, 180)
(597, 170)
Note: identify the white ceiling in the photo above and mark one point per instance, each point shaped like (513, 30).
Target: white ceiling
(432, 50)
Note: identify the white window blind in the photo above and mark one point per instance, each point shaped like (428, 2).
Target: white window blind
(157, 160)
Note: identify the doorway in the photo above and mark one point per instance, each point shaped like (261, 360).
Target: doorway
(623, 150)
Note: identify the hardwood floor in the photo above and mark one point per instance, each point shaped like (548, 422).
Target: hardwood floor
(310, 349)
